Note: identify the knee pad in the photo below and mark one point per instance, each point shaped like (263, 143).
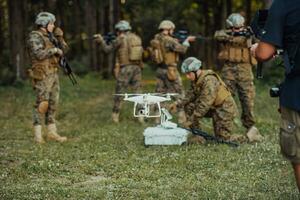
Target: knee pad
(43, 107)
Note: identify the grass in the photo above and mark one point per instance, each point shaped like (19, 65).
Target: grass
(107, 161)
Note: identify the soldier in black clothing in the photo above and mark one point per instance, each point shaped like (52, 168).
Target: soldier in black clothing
(282, 30)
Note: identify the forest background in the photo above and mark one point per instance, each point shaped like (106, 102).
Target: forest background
(80, 19)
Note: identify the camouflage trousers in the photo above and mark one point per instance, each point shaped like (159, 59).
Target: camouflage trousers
(164, 85)
(46, 90)
(239, 78)
(222, 117)
(129, 76)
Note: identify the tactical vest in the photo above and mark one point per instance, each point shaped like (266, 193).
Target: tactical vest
(237, 50)
(41, 68)
(156, 50)
(170, 57)
(131, 50)
(222, 92)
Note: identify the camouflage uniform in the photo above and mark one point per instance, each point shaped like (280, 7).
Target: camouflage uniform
(130, 73)
(209, 97)
(44, 75)
(166, 81)
(237, 71)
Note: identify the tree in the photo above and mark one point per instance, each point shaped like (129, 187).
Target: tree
(17, 25)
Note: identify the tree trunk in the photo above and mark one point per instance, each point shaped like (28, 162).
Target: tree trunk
(2, 30)
(17, 39)
(248, 9)
(90, 14)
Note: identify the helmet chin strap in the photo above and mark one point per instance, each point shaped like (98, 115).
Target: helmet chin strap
(196, 76)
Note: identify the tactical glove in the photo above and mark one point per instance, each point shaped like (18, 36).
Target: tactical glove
(98, 38)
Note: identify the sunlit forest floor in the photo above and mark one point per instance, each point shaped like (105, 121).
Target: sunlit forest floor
(102, 160)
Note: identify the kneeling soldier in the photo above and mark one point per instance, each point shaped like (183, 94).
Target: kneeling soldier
(207, 97)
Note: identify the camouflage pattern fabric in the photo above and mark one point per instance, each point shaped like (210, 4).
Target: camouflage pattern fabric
(239, 79)
(164, 85)
(129, 76)
(46, 86)
(46, 90)
(199, 101)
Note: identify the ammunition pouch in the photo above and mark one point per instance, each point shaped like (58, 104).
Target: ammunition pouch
(156, 52)
(170, 58)
(39, 71)
(172, 73)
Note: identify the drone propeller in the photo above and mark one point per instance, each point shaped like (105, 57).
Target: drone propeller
(128, 94)
(164, 94)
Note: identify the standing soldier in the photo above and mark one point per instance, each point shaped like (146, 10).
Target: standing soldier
(44, 74)
(165, 50)
(129, 61)
(237, 69)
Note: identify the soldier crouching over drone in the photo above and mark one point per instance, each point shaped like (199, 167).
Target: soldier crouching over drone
(209, 97)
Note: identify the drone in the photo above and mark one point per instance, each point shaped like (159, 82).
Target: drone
(143, 103)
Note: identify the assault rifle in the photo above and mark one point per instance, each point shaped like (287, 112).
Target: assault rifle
(207, 136)
(109, 37)
(63, 60)
(181, 35)
(257, 26)
(246, 32)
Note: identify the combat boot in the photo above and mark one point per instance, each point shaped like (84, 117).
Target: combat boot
(253, 135)
(115, 117)
(38, 138)
(52, 134)
(181, 117)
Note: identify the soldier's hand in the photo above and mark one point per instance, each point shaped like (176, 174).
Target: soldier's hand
(187, 124)
(58, 32)
(98, 38)
(55, 51)
(191, 38)
(59, 52)
(253, 49)
(173, 107)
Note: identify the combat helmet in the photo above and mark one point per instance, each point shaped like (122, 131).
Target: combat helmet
(235, 20)
(44, 18)
(123, 25)
(166, 24)
(190, 64)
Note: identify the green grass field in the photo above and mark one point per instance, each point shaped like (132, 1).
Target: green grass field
(107, 161)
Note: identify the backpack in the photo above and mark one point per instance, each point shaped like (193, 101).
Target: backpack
(155, 50)
(135, 49)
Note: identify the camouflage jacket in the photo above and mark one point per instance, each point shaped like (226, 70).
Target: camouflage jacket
(171, 44)
(39, 45)
(202, 95)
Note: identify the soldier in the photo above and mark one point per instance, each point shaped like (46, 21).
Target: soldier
(129, 59)
(165, 50)
(44, 74)
(207, 97)
(237, 68)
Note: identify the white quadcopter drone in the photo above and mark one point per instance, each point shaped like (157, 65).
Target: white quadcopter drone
(143, 102)
(167, 133)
